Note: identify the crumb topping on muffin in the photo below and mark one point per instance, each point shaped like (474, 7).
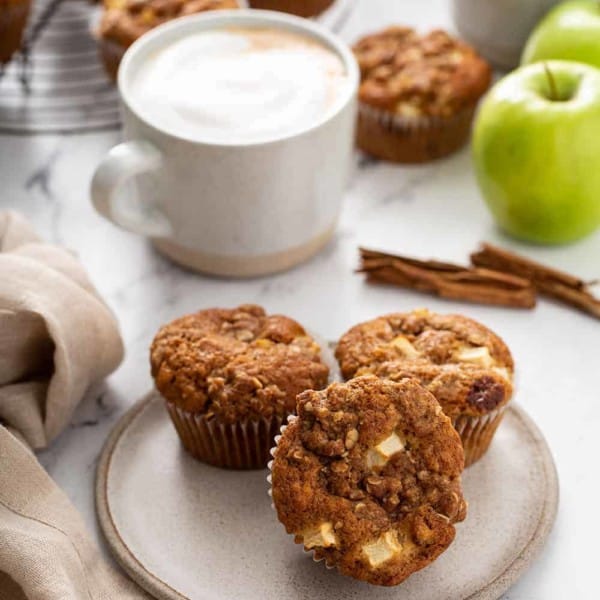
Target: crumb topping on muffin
(236, 363)
(467, 367)
(368, 476)
(412, 75)
(124, 21)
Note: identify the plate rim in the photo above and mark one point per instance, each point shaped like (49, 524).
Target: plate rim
(161, 590)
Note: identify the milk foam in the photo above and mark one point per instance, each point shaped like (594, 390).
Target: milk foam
(238, 85)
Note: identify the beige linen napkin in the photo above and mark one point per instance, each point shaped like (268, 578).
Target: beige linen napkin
(57, 338)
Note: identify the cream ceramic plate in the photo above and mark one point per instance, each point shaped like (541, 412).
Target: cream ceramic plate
(184, 530)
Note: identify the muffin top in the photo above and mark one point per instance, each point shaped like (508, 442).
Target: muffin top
(124, 21)
(236, 364)
(412, 75)
(368, 477)
(467, 367)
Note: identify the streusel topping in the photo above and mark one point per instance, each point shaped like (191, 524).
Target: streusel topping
(124, 21)
(236, 364)
(368, 476)
(467, 367)
(416, 75)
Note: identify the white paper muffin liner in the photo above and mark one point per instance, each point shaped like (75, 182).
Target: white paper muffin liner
(476, 433)
(310, 552)
(241, 445)
(401, 124)
(400, 138)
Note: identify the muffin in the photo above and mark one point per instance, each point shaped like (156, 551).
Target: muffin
(124, 21)
(463, 364)
(230, 378)
(13, 18)
(367, 477)
(418, 94)
(302, 8)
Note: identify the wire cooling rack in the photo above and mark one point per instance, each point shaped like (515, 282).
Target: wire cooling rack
(57, 83)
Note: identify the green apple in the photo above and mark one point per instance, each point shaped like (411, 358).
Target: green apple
(570, 31)
(536, 148)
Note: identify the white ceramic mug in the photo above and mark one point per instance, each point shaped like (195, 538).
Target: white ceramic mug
(499, 28)
(230, 209)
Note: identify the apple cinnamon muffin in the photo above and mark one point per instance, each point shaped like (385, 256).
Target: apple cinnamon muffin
(418, 93)
(367, 477)
(230, 378)
(467, 367)
(124, 21)
(302, 8)
(13, 19)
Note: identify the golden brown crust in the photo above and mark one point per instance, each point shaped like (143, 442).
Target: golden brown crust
(236, 364)
(302, 8)
(417, 76)
(463, 364)
(368, 476)
(13, 19)
(111, 54)
(124, 21)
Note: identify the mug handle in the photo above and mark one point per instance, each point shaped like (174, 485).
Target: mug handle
(121, 164)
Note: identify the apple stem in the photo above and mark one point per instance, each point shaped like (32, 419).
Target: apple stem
(551, 83)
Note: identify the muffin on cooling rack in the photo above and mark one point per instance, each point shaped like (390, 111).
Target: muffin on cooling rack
(302, 8)
(13, 18)
(230, 378)
(418, 93)
(124, 21)
(467, 367)
(367, 477)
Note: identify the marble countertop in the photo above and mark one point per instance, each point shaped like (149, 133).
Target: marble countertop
(428, 211)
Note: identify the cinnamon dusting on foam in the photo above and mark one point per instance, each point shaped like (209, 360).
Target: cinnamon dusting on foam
(239, 84)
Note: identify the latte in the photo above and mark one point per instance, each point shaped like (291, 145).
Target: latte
(239, 85)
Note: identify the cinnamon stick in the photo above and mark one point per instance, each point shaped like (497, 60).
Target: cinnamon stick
(447, 280)
(550, 282)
